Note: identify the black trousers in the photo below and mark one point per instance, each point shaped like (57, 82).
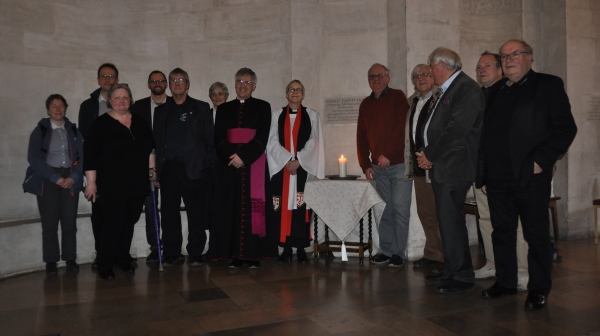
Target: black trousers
(58, 205)
(449, 201)
(507, 203)
(149, 214)
(115, 232)
(174, 186)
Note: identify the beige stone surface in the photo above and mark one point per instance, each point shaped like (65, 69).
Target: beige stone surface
(56, 47)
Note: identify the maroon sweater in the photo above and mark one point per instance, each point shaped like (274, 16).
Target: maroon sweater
(381, 127)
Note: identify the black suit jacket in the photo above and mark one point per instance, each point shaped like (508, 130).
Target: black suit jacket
(199, 146)
(542, 128)
(143, 107)
(454, 131)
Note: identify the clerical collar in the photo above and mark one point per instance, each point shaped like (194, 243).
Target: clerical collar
(292, 111)
(243, 100)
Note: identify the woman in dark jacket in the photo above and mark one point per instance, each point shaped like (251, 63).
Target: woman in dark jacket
(118, 149)
(55, 157)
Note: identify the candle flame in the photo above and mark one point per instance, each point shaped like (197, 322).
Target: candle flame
(342, 156)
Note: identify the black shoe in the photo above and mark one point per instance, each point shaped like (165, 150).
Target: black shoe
(152, 257)
(195, 261)
(423, 262)
(72, 266)
(110, 275)
(454, 287)
(396, 261)
(51, 268)
(302, 259)
(535, 301)
(497, 290)
(236, 263)
(438, 268)
(170, 260)
(437, 278)
(283, 259)
(254, 264)
(127, 268)
(95, 263)
(380, 259)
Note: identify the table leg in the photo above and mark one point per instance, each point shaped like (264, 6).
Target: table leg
(361, 246)
(370, 237)
(327, 238)
(316, 240)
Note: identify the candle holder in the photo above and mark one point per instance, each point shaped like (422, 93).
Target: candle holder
(347, 177)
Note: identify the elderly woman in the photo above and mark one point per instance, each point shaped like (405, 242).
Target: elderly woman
(119, 157)
(295, 155)
(218, 94)
(55, 156)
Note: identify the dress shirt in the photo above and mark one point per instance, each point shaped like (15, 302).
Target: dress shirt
(418, 109)
(58, 153)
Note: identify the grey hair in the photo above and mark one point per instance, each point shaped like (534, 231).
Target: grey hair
(246, 72)
(526, 46)
(416, 71)
(292, 82)
(181, 72)
(114, 88)
(449, 57)
(387, 71)
(215, 85)
(496, 58)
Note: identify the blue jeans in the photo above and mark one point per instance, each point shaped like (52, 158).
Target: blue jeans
(396, 193)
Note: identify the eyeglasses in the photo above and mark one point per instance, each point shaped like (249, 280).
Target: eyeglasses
(177, 80)
(217, 94)
(241, 82)
(424, 75)
(157, 81)
(293, 90)
(376, 76)
(109, 77)
(514, 56)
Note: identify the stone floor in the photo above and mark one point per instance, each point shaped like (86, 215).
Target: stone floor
(327, 298)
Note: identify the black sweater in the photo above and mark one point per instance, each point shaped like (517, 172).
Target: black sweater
(119, 155)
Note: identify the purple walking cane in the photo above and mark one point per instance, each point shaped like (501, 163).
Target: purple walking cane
(156, 225)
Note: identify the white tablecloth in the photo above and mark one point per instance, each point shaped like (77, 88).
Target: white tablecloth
(341, 203)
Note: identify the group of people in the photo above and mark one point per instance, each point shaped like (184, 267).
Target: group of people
(503, 138)
(225, 166)
(229, 162)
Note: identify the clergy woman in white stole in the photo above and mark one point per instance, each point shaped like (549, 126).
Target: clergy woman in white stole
(294, 155)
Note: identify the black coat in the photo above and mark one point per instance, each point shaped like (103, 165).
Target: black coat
(542, 128)
(454, 131)
(143, 107)
(199, 146)
(88, 112)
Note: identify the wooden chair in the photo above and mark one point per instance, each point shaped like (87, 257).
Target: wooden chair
(596, 206)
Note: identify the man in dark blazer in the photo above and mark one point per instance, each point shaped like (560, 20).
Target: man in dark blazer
(528, 126)
(451, 141)
(157, 83)
(185, 152)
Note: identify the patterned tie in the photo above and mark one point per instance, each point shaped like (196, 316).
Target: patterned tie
(434, 102)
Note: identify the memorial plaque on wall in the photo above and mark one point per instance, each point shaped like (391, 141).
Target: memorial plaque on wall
(342, 110)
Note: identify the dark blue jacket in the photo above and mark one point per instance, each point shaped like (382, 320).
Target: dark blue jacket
(88, 112)
(39, 143)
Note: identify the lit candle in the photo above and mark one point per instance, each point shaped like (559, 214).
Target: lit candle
(342, 162)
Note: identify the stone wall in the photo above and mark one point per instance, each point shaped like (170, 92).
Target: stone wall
(56, 46)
